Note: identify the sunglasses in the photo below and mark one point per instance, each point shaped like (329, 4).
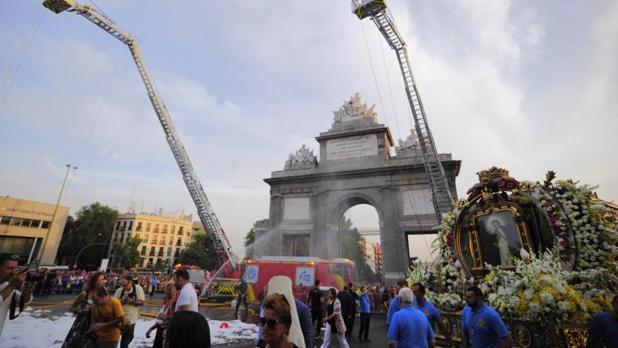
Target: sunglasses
(271, 323)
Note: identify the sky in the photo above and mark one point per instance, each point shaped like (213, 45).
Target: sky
(524, 85)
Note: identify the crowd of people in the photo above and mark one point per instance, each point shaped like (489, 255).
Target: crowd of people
(48, 282)
(105, 319)
(106, 315)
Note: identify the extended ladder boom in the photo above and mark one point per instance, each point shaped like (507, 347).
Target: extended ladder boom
(376, 9)
(204, 209)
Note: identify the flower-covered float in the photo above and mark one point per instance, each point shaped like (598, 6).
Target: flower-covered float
(544, 255)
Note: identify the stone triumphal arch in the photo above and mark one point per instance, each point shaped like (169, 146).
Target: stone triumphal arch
(357, 164)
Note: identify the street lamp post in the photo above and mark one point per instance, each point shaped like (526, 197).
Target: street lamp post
(82, 249)
(51, 223)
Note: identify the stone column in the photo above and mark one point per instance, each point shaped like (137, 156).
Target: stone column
(394, 251)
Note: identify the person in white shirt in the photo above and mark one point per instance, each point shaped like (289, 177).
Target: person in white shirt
(10, 281)
(132, 297)
(187, 298)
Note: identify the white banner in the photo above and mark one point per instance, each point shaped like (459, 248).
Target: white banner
(251, 274)
(305, 276)
(104, 264)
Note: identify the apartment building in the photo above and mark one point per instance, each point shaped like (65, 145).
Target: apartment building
(163, 236)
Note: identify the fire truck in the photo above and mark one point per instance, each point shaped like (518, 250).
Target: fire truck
(303, 271)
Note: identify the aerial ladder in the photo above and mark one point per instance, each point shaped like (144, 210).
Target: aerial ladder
(377, 11)
(204, 209)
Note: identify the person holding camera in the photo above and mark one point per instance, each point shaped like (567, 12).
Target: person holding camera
(11, 281)
(132, 297)
(107, 318)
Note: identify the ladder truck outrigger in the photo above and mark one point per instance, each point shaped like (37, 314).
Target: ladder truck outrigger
(204, 209)
(377, 11)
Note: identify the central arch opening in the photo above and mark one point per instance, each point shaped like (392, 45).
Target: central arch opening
(359, 240)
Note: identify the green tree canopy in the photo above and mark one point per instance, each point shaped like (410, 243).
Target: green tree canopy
(92, 224)
(200, 252)
(351, 248)
(127, 255)
(161, 266)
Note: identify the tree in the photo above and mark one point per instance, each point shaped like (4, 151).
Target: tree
(249, 240)
(351, 247)
(92, 224)
(127, 255)
(200, 252)
(161, 266)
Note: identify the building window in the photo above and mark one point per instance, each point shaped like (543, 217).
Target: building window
(143, 250)
(173, 229)
(45, 224)
(118, 226)
(152, 250)
(160, 254)
(138, 236)
(156, 228)
(179, 242)
(5, 220)
(35, 223)
(180, 230)
(164, 229)
(171, 240)
(139, 226)
(148, 227)
(130, 225)
(169, 252)
(15, 222)
(177, 253)
(162, 241)
(154, 240)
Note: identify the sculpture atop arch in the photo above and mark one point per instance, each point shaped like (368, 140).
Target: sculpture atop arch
(355, 109)
(303, 158)
(358, 163)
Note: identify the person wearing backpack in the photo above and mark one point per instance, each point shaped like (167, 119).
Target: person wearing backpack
(131, 297)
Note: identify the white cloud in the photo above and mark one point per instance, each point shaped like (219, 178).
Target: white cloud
(254, 82)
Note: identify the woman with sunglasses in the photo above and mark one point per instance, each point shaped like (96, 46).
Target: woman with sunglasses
(334, 321)
(276, 322)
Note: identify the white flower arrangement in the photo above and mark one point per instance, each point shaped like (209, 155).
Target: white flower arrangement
(540, 288)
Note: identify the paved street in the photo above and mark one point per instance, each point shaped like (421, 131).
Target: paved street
(57, 305)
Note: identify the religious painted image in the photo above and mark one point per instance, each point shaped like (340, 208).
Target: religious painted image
(499, 238)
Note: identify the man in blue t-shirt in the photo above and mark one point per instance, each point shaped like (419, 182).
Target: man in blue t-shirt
(393, 307)
(365, 314)
(481, 324)
(430, 311)
(604, 328)
(409, 327)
